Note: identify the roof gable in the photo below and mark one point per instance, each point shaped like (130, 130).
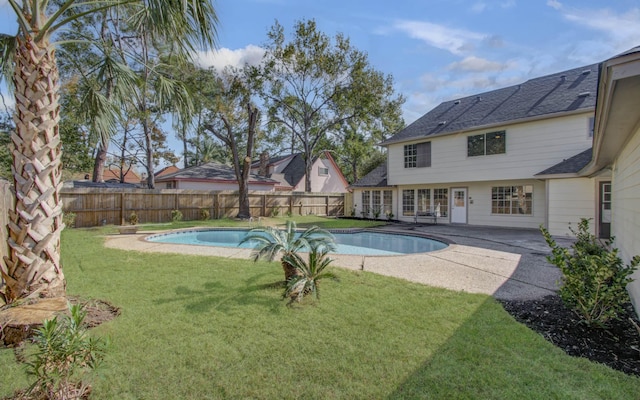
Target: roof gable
(563, 92)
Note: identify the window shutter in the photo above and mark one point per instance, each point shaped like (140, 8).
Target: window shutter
(424, 155)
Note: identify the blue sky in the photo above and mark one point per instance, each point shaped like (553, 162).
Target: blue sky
(438, 50)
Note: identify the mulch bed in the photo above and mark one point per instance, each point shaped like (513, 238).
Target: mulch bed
(618, 346)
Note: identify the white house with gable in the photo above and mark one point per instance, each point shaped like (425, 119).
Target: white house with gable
(509, 157)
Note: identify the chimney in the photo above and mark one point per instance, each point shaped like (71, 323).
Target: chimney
(263, 170)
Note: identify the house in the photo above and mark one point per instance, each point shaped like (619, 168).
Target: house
(166, 171)
(509, 157)
(290, 172)
(112, 175)
(616, 148)
(211, 176)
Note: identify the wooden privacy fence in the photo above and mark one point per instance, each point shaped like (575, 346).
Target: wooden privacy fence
(7, 202)
(95, 207)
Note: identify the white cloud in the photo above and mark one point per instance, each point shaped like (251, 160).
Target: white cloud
(476, 64)
(508, 4)
(554, 4)
(479, 7)
(618, 31)
(455, 41)
(221, 58)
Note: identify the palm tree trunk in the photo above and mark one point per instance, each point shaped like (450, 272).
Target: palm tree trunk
(34, 267)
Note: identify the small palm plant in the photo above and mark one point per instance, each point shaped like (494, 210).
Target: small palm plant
(272, 241)
(309, 273)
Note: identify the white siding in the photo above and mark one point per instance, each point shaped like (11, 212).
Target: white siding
(479, 203)
(569, 201)
(530, 148)
(330, 183)
(626, 208)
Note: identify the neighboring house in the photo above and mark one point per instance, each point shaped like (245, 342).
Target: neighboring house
(166, 171)
(508, 157)
(112, 175)
(616, 147)
(211, 176)
(289, 171)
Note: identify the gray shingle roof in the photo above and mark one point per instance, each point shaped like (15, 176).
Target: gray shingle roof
(570, 165)
(566, 91)
(375, 178)
(213, 171)
(295, 170)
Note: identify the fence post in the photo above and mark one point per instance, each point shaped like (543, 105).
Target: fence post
(290, 203)
(264, 205)
(121, 208)
(216, 206)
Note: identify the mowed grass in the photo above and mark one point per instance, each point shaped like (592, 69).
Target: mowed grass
(212, 328)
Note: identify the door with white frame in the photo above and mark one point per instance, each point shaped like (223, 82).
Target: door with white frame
(459, 205)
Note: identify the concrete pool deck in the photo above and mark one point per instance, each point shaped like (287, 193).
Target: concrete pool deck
(506, 263)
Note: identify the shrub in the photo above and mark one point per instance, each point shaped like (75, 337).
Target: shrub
(390, 216)
(306, 281)
(63, 358)
(353, 210)
(69, 219)
(275, 211)
(204, 214)
(133, 218)
(376, 214)
(176, 215)
(594, 279)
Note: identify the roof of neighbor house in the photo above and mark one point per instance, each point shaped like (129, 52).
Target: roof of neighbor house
(167, 170)
(375, 178)
(562, 92)
(571, 165)
(213, 171)
(113, 175)
(104, 185)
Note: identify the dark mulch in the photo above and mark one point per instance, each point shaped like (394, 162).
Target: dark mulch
(618, 346)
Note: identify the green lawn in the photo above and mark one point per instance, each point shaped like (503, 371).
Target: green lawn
(212, 328)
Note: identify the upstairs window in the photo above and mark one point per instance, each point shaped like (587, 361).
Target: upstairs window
(323, 171)
(487, 144)
(417, 155)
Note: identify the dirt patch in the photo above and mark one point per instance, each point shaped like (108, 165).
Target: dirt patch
(618, 346)
(18, 323)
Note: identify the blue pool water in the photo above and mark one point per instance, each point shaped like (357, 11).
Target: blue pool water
(359, 243)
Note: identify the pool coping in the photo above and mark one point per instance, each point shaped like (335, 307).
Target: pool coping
(456, 267)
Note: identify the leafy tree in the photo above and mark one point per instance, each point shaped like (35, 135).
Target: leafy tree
(234, 121)
(6, 128)
(313, 85)
(29, 58)
(77, 151)
(272, 241)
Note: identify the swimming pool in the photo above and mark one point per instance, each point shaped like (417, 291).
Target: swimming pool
(357, 243)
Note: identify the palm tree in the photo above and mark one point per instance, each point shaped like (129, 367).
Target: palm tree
(33, 267)
(272, 241)
(309, 273)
